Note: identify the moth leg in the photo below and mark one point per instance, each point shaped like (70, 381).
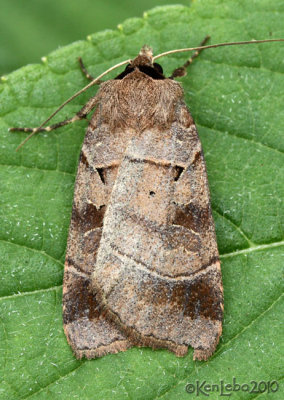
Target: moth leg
(81, 114)
(181, 71)
(85, 71)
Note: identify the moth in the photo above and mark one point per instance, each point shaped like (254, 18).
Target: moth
(142, 266)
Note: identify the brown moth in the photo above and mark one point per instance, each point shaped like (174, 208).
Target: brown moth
(142, 266)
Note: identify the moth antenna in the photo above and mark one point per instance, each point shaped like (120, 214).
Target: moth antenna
(211, 46)
(36, 130)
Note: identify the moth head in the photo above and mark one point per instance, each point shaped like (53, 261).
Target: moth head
(145, 57)
(144, 63)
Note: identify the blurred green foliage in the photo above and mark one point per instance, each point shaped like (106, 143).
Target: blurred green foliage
(30, 29)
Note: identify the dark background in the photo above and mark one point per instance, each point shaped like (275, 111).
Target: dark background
(30, 29)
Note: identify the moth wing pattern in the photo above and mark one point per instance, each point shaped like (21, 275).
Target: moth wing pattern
(158, 271)
(86, 329)
(142, 265)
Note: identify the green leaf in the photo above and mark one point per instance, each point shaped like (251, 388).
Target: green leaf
(234, 94)
(30, 31)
